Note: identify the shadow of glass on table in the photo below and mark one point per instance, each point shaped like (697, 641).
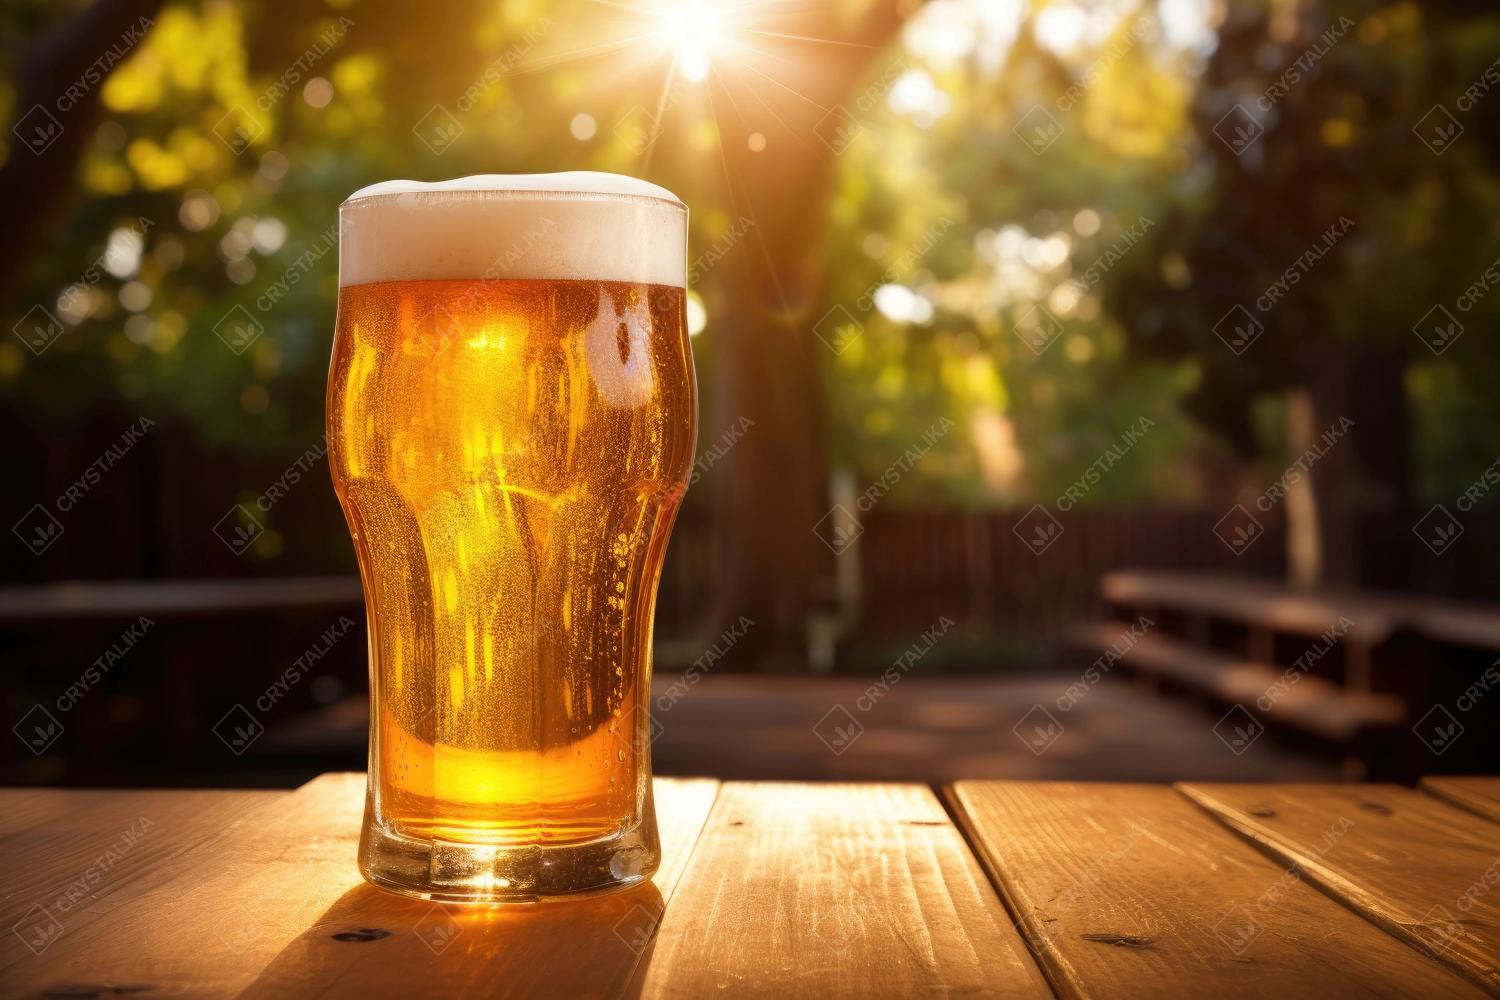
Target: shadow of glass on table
(374, 943)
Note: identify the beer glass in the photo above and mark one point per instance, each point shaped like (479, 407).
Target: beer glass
(511, 419)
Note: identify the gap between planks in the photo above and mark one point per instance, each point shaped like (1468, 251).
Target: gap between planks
(1130, 891)
(1404, 861)
(1478, 795)
(835, 890)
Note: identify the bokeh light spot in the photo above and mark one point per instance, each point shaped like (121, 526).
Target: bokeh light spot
(583, 126)
(318, 92)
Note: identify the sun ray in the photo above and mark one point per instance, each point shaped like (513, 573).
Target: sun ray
(796, 134)
(625, 6)
(761, 3)
(541, 63)
(713, 109)
(661, 109)
(790, 90)
(808, 38)
(786, 309)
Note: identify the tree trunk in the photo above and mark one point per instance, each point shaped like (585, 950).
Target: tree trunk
(1383, 458)
(1335, 476)
(1304, 537)
(772, 485)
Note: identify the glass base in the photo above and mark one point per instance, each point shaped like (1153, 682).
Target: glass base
(448, 872)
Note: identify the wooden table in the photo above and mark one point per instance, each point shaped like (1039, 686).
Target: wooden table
(1002, 889)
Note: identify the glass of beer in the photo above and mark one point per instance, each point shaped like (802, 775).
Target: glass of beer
(511, 419)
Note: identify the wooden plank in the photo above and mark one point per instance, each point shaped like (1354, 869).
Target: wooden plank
(276, 907)
(40, 816)
(166, 929)
(832, 890)
(1273, 605)
(1128, 891)
(1473, 625)
(1415, 867)
(69, 852)
(78, 599)
(46, 828)
(1251, 601)
(1479, 795)
(1312, 704)
(574, 948)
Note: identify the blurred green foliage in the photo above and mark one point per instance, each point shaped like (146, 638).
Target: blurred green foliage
(957, 212)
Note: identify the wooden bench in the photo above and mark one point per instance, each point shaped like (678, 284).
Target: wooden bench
(1311, 703)
(1267, 608)
(1365, 663)
(95, 599)
(998, 889)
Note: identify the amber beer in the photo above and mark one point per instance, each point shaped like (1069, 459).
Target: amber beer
(511, 411)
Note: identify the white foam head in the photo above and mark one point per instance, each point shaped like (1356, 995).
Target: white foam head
(580, 225)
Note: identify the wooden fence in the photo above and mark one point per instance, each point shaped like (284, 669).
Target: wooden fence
(155, 516)
(915, 566)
